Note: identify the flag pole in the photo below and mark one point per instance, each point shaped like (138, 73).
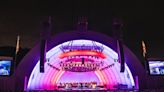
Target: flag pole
(16, 51)
(144, 53)
(144, 49)
(15, 60)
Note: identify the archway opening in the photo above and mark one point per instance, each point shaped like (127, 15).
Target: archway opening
(79, 64)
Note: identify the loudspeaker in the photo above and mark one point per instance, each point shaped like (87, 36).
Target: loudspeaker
(82, 60)
(121, 55)
(45, 35)
(42, 55)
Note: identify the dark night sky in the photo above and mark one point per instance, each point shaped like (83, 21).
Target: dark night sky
(142, 20)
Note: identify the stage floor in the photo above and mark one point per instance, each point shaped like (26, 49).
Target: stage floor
(85, 90)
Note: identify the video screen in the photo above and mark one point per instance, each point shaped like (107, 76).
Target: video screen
(156, 67)
(5, 66)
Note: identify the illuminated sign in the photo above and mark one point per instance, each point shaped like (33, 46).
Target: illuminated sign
(82, 53)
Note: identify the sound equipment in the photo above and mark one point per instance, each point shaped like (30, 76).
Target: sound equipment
(82, 60)
(42, 55)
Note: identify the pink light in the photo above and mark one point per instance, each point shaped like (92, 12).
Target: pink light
(101, 76)
(83, 53)
(78, 77)
(56, 77)
(59, 76)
